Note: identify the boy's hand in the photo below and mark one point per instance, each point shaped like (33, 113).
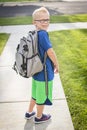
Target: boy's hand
(53, 58)
(56, 70)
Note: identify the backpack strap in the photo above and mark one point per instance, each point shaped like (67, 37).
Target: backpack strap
(15, 68)
(45, 72)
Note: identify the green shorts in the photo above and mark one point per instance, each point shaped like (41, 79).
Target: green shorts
(40, 93)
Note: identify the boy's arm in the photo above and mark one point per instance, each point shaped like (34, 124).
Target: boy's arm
(52, 56)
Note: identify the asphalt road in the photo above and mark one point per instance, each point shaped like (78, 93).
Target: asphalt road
(55, 8)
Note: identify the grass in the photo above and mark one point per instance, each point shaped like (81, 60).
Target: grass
(3, 39)
(71, 50)
(54, 19)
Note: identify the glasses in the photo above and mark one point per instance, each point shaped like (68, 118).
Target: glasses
(43, 20)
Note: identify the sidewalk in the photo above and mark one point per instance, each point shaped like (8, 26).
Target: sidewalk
(38, 2)
(15, 91)
(23, 29)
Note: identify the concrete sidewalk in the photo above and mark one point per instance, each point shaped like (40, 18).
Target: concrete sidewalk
(15, 91)
(38, 2)
(23, 29)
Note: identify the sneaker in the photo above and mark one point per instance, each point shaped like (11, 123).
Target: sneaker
(29, 116)
(44, 118)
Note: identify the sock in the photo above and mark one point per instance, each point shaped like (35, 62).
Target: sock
(39, 117)
(29, 112)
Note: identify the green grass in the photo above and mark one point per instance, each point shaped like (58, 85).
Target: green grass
(16, 20)
(3, 39)
(69, 18)
(54, 19)
(71, 49)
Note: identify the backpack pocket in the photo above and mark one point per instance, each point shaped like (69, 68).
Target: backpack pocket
(34, 65)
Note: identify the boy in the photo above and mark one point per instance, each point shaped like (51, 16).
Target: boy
(41, 18)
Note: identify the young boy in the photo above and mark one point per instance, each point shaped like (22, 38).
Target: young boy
(41, 19)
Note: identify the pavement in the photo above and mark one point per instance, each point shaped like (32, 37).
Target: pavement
(15, 91)
(12, 9)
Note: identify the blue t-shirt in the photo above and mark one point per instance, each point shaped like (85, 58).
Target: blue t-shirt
(43, 45)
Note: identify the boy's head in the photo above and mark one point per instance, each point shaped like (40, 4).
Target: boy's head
(41, 18)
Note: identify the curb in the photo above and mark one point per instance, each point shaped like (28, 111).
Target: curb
(38, 2)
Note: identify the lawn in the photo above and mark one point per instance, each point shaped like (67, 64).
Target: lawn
(3, 39)
(71, 50)
(54, 19)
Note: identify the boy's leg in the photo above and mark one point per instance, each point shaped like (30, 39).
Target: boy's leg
(40, 109)
(31, 105)
(30, 113)
(32, 101)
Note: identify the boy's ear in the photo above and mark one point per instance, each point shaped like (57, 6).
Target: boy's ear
(33, 22)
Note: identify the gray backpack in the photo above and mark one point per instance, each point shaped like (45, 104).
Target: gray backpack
(27, 58)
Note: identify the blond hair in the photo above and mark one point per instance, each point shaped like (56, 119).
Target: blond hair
(37, 13)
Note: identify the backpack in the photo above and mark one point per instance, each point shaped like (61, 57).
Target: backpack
(27, 58)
